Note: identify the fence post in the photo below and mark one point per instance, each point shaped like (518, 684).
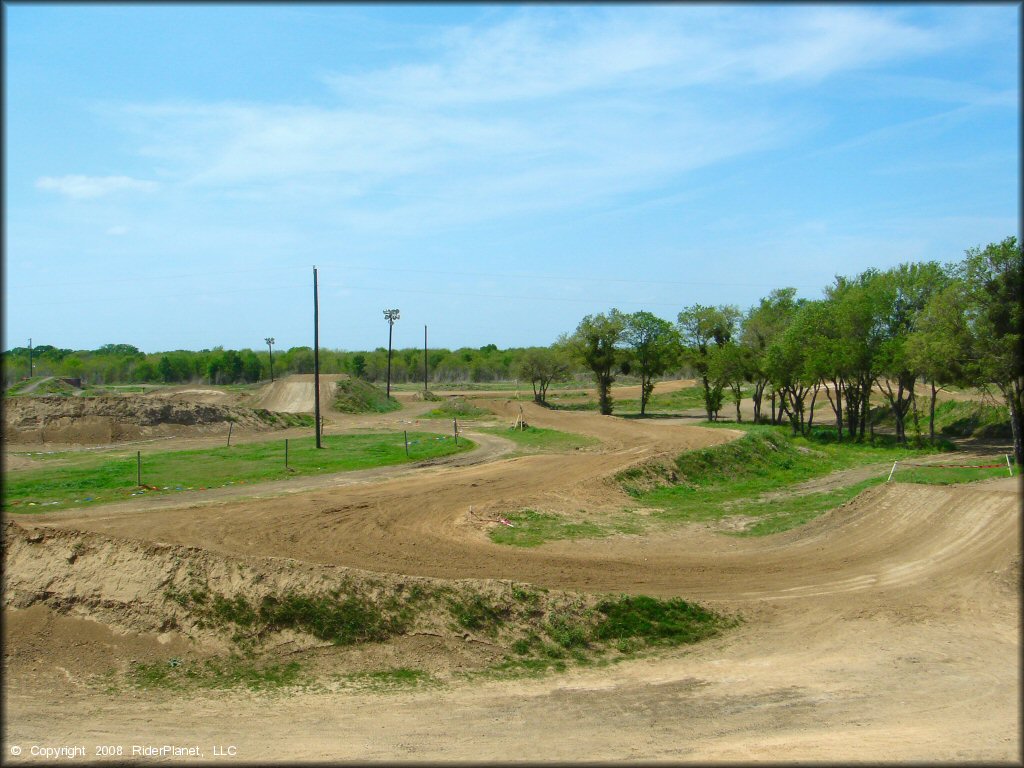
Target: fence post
(286, 453)
(455, 429)
(138, 467)
(230, 425)
(891, 471)
(406, 443)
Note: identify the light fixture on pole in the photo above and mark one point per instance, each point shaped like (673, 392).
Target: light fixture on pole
(390, 315)
(270, 346)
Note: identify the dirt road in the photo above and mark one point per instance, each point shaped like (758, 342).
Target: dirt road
(884, 630)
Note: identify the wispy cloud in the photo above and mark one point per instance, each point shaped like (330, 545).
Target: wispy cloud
(542, 111)
(87, 187)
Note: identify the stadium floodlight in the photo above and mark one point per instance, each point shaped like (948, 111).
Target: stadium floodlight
(390, 315)
(270, 346)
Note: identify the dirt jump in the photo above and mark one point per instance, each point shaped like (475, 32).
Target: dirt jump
(297, 393)
(884, 630)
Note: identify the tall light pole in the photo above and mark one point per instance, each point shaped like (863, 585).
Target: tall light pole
(30, 358)
(316, 360)
(270, 346)
(390, 315)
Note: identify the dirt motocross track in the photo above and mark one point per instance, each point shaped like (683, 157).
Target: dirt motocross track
(885, 630)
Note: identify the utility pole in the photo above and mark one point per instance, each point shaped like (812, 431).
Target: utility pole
(390, 315)
(270, 346)
(316, 360)
(30, 358)
(424, 358)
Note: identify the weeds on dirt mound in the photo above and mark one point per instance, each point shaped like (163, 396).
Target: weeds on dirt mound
(347, 621)
(282, 419)
(535, 629)
(358, 396)
(654, 621)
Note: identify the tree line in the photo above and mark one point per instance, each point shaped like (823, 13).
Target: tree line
(899, 334)
(125, 364)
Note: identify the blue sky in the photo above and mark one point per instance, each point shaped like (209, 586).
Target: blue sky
(497, 172)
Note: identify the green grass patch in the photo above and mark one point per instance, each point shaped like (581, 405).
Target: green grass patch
(88, 478)
(970, 419)
(389, 680)
(730, 479)
(661, 404)
(532, 528)
(457, 407)
(782, 514)
(49, 386)
(219, 673)
(538, 440)
(950, 475)
(358, 396)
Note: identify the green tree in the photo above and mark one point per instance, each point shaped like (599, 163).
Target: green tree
(595, 344)
(980, 313)
(939, 345)
(542, 366)
(655, 348)
(901, 296)
(761, 326)
(699, 328)
(731, 365)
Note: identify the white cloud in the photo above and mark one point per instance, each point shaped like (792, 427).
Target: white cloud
(88, 187)
(548, 110)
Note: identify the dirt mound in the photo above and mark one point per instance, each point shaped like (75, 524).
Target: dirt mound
(97, 420)
(296, 393)
(220, 603)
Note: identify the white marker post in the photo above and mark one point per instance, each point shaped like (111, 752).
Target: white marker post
(891, 471)
(1009, 466)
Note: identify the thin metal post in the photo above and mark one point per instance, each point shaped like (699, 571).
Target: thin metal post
(230, 425)
(455, 429)
(270, 347)
(316, 360)
(406, 443)
(424, 358)
(286, 453)
(138, 467)
(30, 358)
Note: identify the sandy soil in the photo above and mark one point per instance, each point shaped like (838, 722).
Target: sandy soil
(885, 630)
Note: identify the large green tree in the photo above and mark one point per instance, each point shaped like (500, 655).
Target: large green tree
(655, 348)
(761, 326)
(901, 296)
(701, 328)
(980, 314)
(596, 345)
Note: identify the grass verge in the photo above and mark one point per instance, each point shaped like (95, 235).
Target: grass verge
(78, 478)
(539, 440)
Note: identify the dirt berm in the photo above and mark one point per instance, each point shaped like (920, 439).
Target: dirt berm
(100, 420)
